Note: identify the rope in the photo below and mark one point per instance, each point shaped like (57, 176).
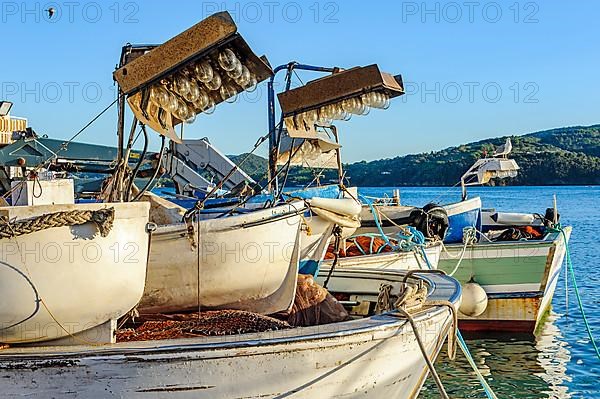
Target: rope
(102, 217)
(434, 373)
(469, 237)
(576, 288)
(37, 299)
(452, 338)
(412, 298)
(465, 350)
(199, 205)
(407, 242)
(337, 233)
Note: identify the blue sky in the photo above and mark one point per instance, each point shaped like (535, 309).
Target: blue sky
(472, 69)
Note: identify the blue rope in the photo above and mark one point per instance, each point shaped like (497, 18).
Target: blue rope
(572, 273)
(417, 239)
(406, 242)
(465, 349)
(463, 346)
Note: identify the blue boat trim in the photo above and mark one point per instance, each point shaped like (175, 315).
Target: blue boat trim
(513, 295)
(309, 266)
(551, 279)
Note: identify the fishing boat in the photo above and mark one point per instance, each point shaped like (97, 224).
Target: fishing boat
(354, 358)
(445, 221)
(247, 261)
(508, 263)
(58, 259)
(509, 285)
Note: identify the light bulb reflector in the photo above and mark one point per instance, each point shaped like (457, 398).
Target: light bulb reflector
(203, 71)
(159, 95)
(191, 118)
(182, 85)
(172, 104)
(228, 93)
(310, 117)
(236, 72)
(228, 60)
(215, 82)
(244, 77)
(202, 101)
(193, 94)
(210, 107)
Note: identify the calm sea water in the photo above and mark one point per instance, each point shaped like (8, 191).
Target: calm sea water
(559, 362)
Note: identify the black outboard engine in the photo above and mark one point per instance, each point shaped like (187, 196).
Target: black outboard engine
(431, 220)
(549, 217)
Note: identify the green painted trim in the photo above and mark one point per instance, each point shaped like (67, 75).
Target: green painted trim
(495, 271)
(514, 245)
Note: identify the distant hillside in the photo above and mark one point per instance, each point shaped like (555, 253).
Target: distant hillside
(256, 166)
(569, 155)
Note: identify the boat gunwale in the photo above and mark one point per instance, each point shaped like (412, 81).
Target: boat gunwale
(181, 227)
(549, 240)
(368, 325)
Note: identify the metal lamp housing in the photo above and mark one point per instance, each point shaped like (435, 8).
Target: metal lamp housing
(333, 89)
(202, 42)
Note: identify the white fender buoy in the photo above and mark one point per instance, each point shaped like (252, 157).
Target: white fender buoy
(336, 218)
(474, 300)
(343, 206)
(513, 219)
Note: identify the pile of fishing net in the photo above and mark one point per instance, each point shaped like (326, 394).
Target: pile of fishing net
(211, 323)
(360, 245)
(314, 305)
(519, 233)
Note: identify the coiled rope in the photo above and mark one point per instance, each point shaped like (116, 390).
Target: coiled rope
(103, 218)
(409, 238)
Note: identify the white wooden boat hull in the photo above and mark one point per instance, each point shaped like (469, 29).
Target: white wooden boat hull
(64, 280)
(246, 262)
(375, 357)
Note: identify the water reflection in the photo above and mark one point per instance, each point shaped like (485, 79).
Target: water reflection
(561, 363)
(516, 367)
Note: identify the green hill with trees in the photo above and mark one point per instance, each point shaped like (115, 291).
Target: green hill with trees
(562, 156)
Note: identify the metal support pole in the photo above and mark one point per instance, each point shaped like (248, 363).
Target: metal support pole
(273, 134)
(338, 154)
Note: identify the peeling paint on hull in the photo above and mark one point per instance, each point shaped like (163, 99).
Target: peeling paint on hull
(374, 357)
(519, 278)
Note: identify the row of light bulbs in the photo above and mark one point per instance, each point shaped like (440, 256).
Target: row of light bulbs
(342, 110)
(191, 91)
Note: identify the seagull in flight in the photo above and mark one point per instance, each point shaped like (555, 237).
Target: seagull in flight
(50, 12)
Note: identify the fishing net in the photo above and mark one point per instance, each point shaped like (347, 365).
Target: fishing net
(360, 245)
(211, 323)
(314, 305)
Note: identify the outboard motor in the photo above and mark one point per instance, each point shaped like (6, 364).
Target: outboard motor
(549, 217)
(431, 220)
